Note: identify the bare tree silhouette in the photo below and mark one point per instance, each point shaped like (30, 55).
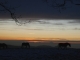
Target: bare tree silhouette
(8, 9)
(61, 4)
(11, 11)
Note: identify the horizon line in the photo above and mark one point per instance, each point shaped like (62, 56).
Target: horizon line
(46, 40)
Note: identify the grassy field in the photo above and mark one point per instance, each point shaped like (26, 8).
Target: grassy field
(39, 54)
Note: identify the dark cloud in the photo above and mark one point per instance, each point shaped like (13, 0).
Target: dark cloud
(39, 9)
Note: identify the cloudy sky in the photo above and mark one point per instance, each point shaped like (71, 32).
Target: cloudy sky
(47, 23)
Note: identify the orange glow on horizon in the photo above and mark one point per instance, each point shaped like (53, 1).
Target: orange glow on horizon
(33, 39)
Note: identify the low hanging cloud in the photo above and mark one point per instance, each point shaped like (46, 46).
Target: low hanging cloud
(58, 24)
(74, 21)
(34, 29)
(76, 29)
(52, 22)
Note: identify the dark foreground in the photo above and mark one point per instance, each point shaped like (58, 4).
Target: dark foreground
(40, 54)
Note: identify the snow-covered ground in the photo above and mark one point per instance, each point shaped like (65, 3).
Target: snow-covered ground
(39, 54)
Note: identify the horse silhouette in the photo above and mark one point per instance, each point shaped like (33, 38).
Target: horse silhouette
(25, 45)
(64, 45)
(3, 45)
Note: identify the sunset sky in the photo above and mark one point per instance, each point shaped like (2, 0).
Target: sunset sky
(40, 30)
(47, 22)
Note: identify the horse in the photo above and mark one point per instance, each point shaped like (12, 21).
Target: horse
(3, 45)
(64, 45)
(26, 45)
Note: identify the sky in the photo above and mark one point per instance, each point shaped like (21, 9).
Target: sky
(47, 23)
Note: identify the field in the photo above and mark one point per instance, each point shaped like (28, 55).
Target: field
(39, 54)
